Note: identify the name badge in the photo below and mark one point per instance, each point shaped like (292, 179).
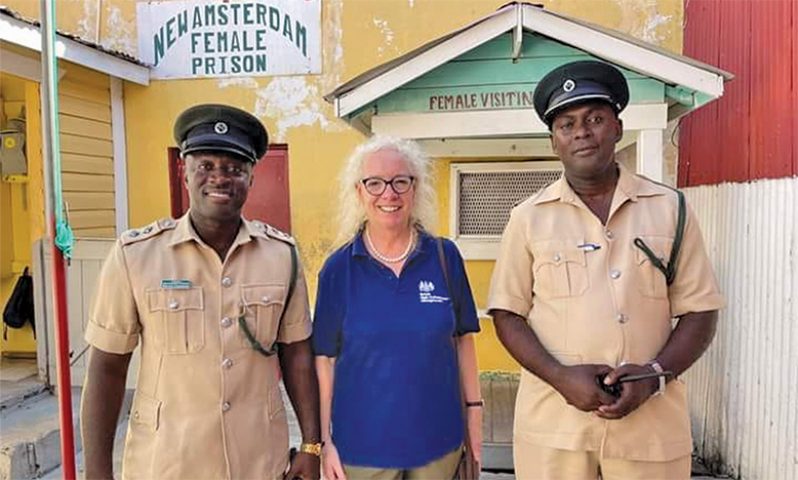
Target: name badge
(175, 284)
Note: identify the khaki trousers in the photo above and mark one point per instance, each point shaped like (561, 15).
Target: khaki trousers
(442, 468)
(534, 462)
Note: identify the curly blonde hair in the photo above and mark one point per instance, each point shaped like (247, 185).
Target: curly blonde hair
(352, 215)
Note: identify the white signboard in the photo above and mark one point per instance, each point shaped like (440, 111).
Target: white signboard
(218, 38)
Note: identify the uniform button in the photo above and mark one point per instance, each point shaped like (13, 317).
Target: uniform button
(173, 304)
(168, 223)
(226, 322)
(615, 274)
(557, 257)
(227, 281)
(136, 415)
(226, 406)
(147, 230)
(227, 363)
(265, 299)
(608, 233)
(622, 318)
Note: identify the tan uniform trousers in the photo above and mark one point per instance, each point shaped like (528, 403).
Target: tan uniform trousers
(536, 462)
(441, 469)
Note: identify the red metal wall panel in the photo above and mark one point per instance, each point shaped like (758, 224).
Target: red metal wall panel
(702, 44)
(734, 134)
(794, 56)
(751, 132)
(771, 89)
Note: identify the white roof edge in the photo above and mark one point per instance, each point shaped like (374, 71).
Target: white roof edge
(25, 35)
(426, 61)
(631, 54)
(624, 53)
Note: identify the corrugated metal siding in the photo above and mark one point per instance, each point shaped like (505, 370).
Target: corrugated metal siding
(743, 392)
(700, 43)
(752, 131)
(87, 151)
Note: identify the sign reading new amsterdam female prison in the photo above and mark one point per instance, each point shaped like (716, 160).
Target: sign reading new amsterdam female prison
(216, 38)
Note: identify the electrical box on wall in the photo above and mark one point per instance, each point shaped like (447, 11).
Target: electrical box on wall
(12, 153)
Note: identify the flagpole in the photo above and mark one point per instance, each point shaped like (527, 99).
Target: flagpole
(50, 150)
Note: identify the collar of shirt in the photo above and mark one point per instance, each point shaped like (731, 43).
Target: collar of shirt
(185, 232)
(630, 187)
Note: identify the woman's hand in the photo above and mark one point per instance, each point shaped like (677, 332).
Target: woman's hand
(474, 416)
(331, 463)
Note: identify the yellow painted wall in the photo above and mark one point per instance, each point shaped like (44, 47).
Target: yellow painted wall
(87, 162)
(21, 204)
(357, 35)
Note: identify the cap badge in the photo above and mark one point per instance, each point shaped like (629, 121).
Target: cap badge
(569, 85)
(220, 128)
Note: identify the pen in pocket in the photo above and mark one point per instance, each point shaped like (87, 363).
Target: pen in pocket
(589, 247)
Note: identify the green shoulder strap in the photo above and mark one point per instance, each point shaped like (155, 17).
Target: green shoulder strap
(668, 270)
(291, 285)
(256, 345)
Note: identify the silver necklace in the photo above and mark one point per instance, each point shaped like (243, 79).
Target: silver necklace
(385, 259)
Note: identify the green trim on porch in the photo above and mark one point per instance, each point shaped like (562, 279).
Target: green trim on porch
(486, 78)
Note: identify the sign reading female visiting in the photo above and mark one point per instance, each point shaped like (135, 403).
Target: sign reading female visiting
(212, 38)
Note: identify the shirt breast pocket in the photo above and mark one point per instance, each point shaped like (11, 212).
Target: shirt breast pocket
(263, 307)
(560, 270)
(178, 319)
(651, 281)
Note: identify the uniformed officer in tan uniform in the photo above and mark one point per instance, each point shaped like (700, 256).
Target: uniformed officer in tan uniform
(210, 298)
(576, 298)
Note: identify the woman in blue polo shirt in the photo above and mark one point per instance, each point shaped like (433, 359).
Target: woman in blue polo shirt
(394, 346)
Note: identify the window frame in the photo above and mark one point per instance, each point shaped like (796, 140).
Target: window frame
(483, 247)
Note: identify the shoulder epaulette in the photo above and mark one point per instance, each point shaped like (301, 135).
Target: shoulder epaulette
(274, 233)
(138, 234)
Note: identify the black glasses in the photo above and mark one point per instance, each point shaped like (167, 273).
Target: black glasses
(400, 184)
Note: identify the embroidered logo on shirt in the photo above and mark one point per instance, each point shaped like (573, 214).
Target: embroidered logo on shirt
(425, 289)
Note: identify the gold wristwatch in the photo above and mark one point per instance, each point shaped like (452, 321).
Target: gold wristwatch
(311, 448)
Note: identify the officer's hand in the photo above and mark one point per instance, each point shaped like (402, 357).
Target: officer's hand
(633, 394)
(578, 385)
(304, 466)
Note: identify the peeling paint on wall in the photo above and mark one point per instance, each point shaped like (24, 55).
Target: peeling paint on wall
(296, 101)
(388, 36)
(645, 20)
(651, 32)
(244, 82)
(293, 102)
(121, 32)
(87, 25)
(332, 39)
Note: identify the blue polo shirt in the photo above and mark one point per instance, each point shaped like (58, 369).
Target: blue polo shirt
(396, 394)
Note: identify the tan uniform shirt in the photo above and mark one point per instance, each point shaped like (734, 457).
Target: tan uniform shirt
(607, 306)
(206, 405)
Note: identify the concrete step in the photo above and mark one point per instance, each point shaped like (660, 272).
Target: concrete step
(119, 445)
(30, 444)
(18, 380)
